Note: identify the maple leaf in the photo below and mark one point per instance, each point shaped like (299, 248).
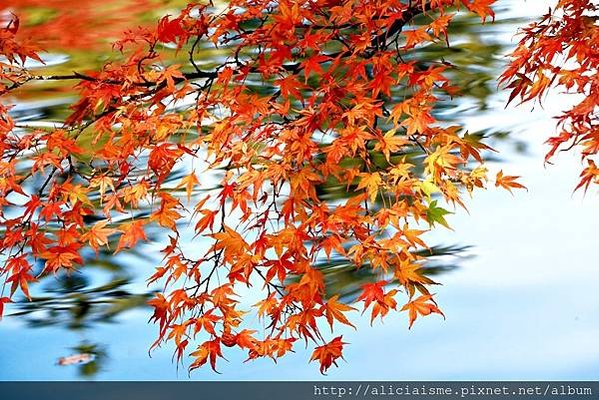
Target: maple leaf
(383, 302)
(98, 234)
(442, 161)
(189, 182)
(167, 214)
(267, 305)
(132, 233)
(436, 214)
(135, 193)
(3, 301)
(508, 182)
(76, 193)
(415, 37)
(312, 64)
(102, 183)
(32, 205)
(245, 339)
(170, 75)
(588, 175)
(207, 351)
(332, 242)
(290, 86)
(328, 353)
(178, 333)
(418, 122)
(180, 349)
(381, 308)
(289, 14)
(423, 305)
(21, 279)
(471, 146)
(371, 182)
(231, 242)
(334, 311)
(207, 322)
(440, 24)
(161, 309)
(482, 8)
(169, 29)
(390, 143)
(207, 221)
(409, 275)
(413, 236)
(61, 257)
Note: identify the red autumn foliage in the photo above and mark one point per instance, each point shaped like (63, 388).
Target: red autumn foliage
(338, 103)
(561, 51)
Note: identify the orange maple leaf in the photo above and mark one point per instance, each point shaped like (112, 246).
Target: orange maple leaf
(98, 235)
(189, 182)
(132, 234)
(423, 305)
(328, 354)
(508, 182)
(209, 350)
(334, 311)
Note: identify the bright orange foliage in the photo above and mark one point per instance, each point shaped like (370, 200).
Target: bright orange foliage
(562, 50)
(338, 103)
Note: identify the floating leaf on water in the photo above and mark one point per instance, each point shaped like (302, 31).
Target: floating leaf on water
(75, 359)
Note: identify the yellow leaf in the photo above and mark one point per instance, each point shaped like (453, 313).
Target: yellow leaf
(188, 182)
(371, 183)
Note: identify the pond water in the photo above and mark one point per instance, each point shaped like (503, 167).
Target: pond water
(520, 295)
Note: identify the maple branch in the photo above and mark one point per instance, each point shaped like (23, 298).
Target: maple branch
(378, 42)
(82, 77)
(397, 26)
(266, 134)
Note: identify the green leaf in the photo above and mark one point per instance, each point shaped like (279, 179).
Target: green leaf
(436, 214)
